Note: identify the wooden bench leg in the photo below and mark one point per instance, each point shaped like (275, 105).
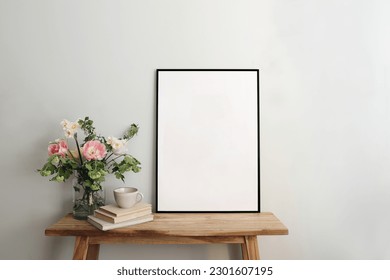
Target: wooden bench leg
(81, 248)
(250, 248)
(93, 251)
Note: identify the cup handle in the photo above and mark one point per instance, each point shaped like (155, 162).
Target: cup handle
(140, 196)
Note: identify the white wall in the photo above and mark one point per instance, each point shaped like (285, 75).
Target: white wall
(324, 111)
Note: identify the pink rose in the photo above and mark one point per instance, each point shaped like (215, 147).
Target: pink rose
(58, 148)
(94, 150)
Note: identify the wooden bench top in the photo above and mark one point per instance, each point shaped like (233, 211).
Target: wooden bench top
(180, 224)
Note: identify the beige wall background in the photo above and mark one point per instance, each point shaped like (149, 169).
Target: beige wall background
(324, 72)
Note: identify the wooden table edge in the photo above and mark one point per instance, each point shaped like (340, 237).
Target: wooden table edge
(58, 229)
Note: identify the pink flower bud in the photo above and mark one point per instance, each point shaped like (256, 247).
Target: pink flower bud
(58, 148)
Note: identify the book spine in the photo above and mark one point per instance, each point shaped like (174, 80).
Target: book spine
(97, 225)
(126, 213)
(105, 218)
(120, 219)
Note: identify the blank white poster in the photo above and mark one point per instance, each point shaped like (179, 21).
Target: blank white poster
(208, 141)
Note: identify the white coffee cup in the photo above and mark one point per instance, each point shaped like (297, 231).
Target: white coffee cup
(127, 197)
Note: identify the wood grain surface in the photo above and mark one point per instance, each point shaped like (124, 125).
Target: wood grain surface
(180, 224)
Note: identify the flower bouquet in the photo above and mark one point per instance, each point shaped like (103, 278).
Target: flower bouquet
(88, 163)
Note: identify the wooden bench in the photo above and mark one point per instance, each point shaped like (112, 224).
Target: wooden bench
(177, 228)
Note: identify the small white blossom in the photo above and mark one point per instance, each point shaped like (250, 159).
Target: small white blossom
(70, 128)
(65, 124)
(118, 145)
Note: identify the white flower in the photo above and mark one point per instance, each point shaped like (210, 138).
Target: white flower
(118, 145)
(65, 124)
(70, 128)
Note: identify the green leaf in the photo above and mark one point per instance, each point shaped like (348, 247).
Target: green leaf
(136, 169)
(95, 187)
(59, 179)
(133, 130)
(94, 174)
(55, 160)
(49, 167)
(119, 176)
(87, 183)
(45, 173)
(73, 164)
(88, 166)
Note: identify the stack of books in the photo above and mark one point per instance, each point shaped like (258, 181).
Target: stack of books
(112, 216)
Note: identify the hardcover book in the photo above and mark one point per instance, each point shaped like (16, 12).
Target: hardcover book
(106, 216)
(116, 211)
(104, 225)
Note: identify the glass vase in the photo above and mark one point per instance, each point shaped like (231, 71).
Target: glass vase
(85, 200)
